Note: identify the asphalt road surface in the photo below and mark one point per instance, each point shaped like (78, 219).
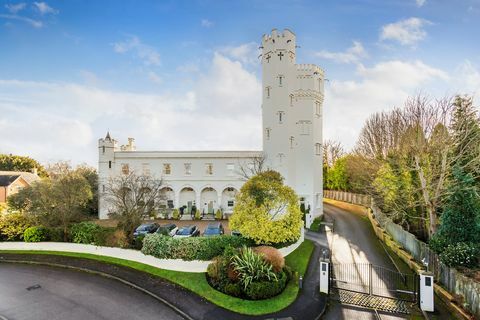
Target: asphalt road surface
(40, 292)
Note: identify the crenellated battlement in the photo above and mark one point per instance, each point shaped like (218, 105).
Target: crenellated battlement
(311, 68)
(278, 41)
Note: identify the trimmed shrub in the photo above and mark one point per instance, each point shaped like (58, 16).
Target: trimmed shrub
(55, 234)
(195, 248)
(13, 225)
(198, 215)
(218, 214)
(101, 237)
(233, 289)
(138, 242)
(116, 238)
(266, 289)
(272, 256)
(84, 232)
(175, 214)
(35, 234)
(461, 255)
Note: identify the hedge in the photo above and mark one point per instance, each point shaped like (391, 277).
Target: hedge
(195, 248)
(35, 234)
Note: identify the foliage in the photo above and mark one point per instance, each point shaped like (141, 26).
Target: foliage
(35, 234)
(194, 248)
(130, 197)
(315, 226)
(337, 178)
(267, 211)
(198, 215)
(266, 289)
(175, 214)
(13, 225)
(56, 234)
(138, 242)
(21, 163)
(218, 214)
(272, 256)
(116, 238)
(84, 232)
(55, 202)
(461, 255)
(252, 267)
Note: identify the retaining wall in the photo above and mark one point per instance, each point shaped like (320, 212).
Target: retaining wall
(415, 251)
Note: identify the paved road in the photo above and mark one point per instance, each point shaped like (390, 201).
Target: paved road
(68, 294)
(353, 241)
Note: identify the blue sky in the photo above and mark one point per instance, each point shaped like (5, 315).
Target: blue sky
(185, 75)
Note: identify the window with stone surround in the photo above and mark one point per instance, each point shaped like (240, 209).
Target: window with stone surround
(230, 169)
(267, 133)
(267, 92)
(281, 116)
(125, 168)
(146, 169)
(209, 169)
(167, 168)
(188, 168)
(318, 149)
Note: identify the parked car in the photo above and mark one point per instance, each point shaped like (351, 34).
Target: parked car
(214, 229)
(145, 228)
(236, 233)
(187, 231)
(169, 229)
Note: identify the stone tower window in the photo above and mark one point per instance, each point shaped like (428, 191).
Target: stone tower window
(281, 116)
(103, 149)
(267, 133)
(267, 92)
(291, 100)
(280, 80)
(318, 109)
(109, 164)
(318, 149)
(292, 142)
(304, 127)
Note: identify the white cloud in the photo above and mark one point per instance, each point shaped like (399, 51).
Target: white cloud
(15, 8)
(44, 8)
(420, 3)
(246, 53)
(406, 32)
(154, 77)
(34, 23)
(144, 52)
(52, 121)
(206, 23)
(351, 55)
(380, 87)
(467, 79)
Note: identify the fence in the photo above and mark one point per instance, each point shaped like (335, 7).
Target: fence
(449, 278)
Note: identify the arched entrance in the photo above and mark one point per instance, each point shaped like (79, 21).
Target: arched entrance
(208, 199)
(168, 197)
(187, 199)
(228, 199)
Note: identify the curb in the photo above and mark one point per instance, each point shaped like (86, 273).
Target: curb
(105, 275)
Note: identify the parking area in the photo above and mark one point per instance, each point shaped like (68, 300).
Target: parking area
(201, 224)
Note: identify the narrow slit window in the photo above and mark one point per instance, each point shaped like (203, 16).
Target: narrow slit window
(267, 133)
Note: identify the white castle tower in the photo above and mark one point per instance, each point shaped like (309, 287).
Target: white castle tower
(292, 117)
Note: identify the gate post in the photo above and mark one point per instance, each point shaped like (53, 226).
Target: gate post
(324, 275)
(426, 291)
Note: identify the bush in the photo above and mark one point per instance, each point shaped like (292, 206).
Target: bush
(218, 214)
(214, 269)
(195, 248)
(272, 256)
(13, 225)
(266, 289)
(55, 234)
(461, 255)
(438, 243)
(101, 237)
(175, 214)
(85, 232)
(116, 238)
(251, 267)
(233, 289)
(35, 234)
(198, 215)
(138, 242)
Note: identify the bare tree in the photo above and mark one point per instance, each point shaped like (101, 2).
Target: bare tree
(131, 197)
(332, 151)
(254, 166)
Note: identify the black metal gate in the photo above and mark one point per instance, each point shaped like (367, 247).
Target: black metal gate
(374, 281)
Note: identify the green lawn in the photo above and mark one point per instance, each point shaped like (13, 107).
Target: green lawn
(197, 283)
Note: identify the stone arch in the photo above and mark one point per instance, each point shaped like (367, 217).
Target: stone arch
(228, 198)
(208, 200)
(186, 197)
(168, 197)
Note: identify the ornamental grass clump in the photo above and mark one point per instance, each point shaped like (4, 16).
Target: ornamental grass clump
(251, 267)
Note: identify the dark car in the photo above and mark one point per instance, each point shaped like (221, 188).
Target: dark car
(145, 228)
(187, 231)
(214, 229)
(169, 229)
